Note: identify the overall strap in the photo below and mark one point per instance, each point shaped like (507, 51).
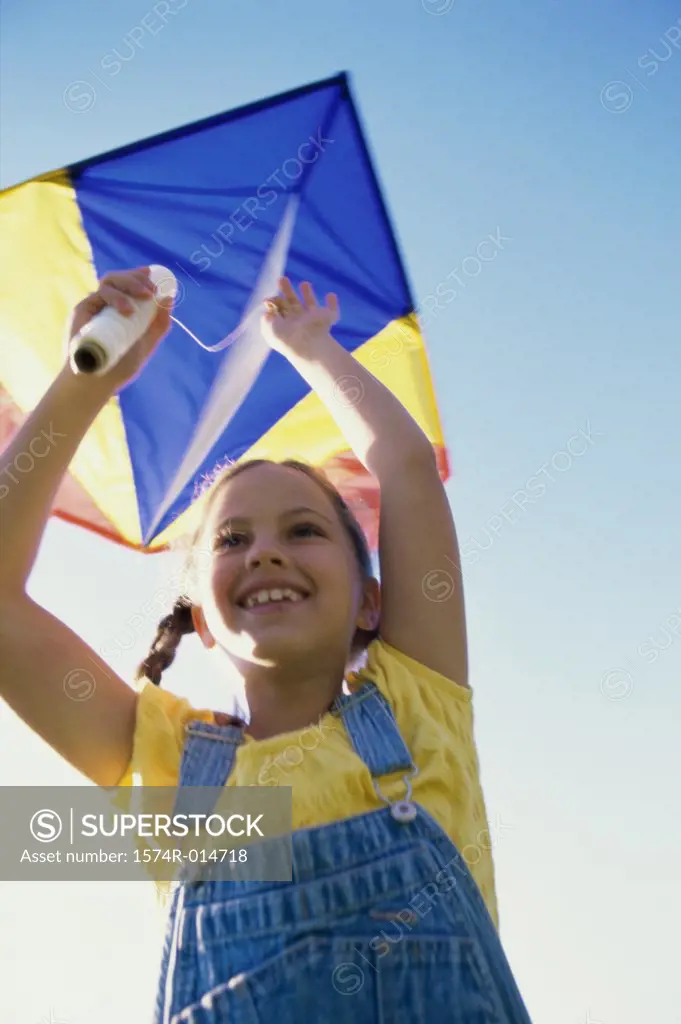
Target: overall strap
(207, 761)
(373, 731)
(207, 758)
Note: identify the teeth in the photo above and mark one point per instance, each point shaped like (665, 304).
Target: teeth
(265, 596)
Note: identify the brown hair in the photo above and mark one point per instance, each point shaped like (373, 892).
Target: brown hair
(178, 623)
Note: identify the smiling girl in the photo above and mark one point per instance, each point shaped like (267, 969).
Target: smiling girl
(390, 914)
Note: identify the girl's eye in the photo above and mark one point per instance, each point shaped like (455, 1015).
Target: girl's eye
(305, 529)
(227, 539)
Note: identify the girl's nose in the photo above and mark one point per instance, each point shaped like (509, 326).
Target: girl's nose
(263, 556)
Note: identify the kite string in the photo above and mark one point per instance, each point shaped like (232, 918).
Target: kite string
(228, 340)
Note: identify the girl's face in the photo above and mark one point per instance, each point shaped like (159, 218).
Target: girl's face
(283, 579)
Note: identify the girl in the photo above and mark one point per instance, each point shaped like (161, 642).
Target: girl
(390, 914)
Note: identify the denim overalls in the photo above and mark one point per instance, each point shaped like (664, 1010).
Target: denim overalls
(382, 921)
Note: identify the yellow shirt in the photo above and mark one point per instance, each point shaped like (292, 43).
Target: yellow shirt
(329, 781)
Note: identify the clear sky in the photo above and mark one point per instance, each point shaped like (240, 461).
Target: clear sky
(557, 126)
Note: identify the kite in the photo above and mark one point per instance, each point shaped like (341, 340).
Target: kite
(230, 203)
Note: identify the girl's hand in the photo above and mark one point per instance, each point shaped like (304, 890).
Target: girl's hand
(116, 289)
(291, 323)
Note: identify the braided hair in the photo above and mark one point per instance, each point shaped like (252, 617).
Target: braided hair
(169, 632)
(179, 622)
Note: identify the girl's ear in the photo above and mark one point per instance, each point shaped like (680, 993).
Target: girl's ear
(201, 628)
(370, 609)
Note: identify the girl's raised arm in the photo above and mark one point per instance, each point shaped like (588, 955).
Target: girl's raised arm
(422, 599)
(45, 668)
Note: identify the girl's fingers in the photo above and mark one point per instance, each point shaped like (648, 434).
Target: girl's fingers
(160, 324)
(309, 297)
(112, 296)
(288, 302)
(273, 305)
(288, 292)
(132, 282)
(165, 302)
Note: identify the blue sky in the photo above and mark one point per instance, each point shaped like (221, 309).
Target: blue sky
(558, 127)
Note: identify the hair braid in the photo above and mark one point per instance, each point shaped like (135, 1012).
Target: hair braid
(169, 632)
